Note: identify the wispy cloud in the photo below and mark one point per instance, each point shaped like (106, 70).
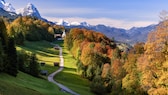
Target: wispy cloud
(64, 12)
(106, 21)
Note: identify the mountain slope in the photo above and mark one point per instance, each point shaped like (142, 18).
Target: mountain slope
(7, 10)
(6, 6)
(9, 15)
(139, 34)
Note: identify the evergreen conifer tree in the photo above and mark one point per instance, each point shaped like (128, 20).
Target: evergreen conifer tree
(11, 57)
(33, 66)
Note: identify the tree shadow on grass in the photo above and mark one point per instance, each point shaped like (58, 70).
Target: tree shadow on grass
(60, 43)
(70, 69)
(41, 52)
(64, 53)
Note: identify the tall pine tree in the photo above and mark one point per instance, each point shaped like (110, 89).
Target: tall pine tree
(33, 66)
(1, 59)
(12, 57)
(3, 46)
(3, 35)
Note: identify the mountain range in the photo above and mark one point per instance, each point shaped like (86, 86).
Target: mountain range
(131, 36)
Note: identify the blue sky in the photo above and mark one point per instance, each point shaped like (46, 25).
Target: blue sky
(117, 13)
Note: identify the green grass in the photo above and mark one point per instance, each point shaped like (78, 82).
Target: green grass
(44, 52)
(28, 85)
(25, 84)
(69, 77)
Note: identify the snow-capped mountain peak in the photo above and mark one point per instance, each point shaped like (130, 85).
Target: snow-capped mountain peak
(74, 23)
(9, 7)
(6, 6)
(63, 23)
(31, 7)
(85, 24)
(29, 10)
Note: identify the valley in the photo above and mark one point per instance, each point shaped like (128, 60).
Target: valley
(40, 55)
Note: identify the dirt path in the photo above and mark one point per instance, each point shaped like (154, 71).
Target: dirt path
(50, 77)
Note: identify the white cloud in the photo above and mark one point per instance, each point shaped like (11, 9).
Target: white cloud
(69, 11)
(106, 21)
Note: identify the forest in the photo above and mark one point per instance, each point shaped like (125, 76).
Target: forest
(141, 70)
(15, 33)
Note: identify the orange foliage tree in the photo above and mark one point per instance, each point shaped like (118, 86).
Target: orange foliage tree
(153, 64)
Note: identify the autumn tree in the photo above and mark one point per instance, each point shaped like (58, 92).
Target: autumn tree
(32, 29)
(139, 48)
(156, 56)
(130, 83)
(92, 50)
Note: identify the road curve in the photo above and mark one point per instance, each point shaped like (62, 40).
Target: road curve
(50, 77)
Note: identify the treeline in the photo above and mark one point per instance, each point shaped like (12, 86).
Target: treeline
(32, 29)
(10, 60)
(142, 70)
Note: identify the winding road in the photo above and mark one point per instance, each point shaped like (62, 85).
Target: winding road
(50, 77)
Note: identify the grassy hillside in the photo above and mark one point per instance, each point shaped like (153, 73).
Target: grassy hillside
(44, 52)
(70, 77)
(28, 85)
(25, 84)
